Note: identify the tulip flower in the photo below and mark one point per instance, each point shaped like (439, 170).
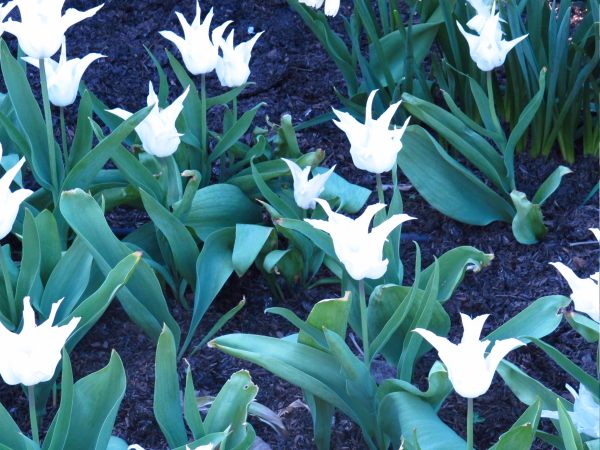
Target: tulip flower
(331, 6)
(232, 67)
(596, 233)
(584, 291)
(65, 75)
(585, 414)
(469, 370)
(489, 50)
(157, 131)
(198, 50)
(10, 201)
(42, 27)
(306, 192)
(360, 251)
(31, 356)
(373, 146)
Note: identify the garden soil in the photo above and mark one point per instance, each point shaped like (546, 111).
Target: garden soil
(292, 74)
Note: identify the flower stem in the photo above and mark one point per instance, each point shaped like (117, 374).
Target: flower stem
(8, 286)
(363, 322)
(49, 132)
(203, 124)
(234, 106)
(380, 196)
(63, 134)
(33, 414)
(469, 424)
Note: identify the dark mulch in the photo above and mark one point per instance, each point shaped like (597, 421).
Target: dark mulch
(293, 75)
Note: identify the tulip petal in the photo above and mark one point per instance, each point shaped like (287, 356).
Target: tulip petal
(499, 351)
(73, 16)
(472, 327)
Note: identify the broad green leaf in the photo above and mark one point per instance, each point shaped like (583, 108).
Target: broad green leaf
(29, 282)
(453, 265)
(191, 413)
(213, 268)
(249, 241)
(83, 139)
(447, 185)
(539, 319)
(230, 408)
(219, 206)
(59, 429)
(402, 415)
(528, 223)
(351, 197)
(96, 401)
(142, 299)
(10, 437)
(585, 326)
(568, 431)
(182, 244)
(521, 434)
(167, 405)
(549, 185)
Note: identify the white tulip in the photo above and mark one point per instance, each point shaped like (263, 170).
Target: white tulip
(470, 372)
(5, 11)
(585, 414)
(489, 50)
(331, 6)
(584, 291)
(31, 356)
(157, 131)
(306, 192)
(233, 67)
(65, 75)
(42, 27)
(373, 146)
(10, 201)
(484, 10)
(360, 251)
(198, 50)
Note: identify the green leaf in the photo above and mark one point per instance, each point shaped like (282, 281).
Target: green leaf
(539, 319)
(551, 183)
(213, 268)
(167, 407)
(190, 407)
(454, 190)
(28, 282)
(142, 299)
(521, 434)
(528, 223)
(96, 400)
(568, 431)
(182, 244)
(11, 434)
(453, 265)
(86, 169)
(403, 415)
(83, 139)
(249, 241)
(219, 206)
(230, 408)
(234, 133)
(585, 326)
(59, 429)
(351, 197)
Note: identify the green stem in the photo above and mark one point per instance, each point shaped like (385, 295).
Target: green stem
(8, 286)
(33, 414)
(469, 424)
(63, 135)
(363, 322)
(492, 103)
(49, 132)
(380, 196)
(234, 105)
(204, 132)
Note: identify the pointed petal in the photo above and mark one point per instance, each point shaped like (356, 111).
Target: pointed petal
(73, 16)
(120, 113)
(381, 231)
(385, 119)
(472, 327)
(471, 38)
(297, 173)
(171, 112)
(332, 7)
(369, 107)
(363, 221)
(7, 179)
(499, 351)
(446, 349)
(575, 283)
(84, 63)
(217, 33)
(28, 315)
(507, 46)
(175, 39)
